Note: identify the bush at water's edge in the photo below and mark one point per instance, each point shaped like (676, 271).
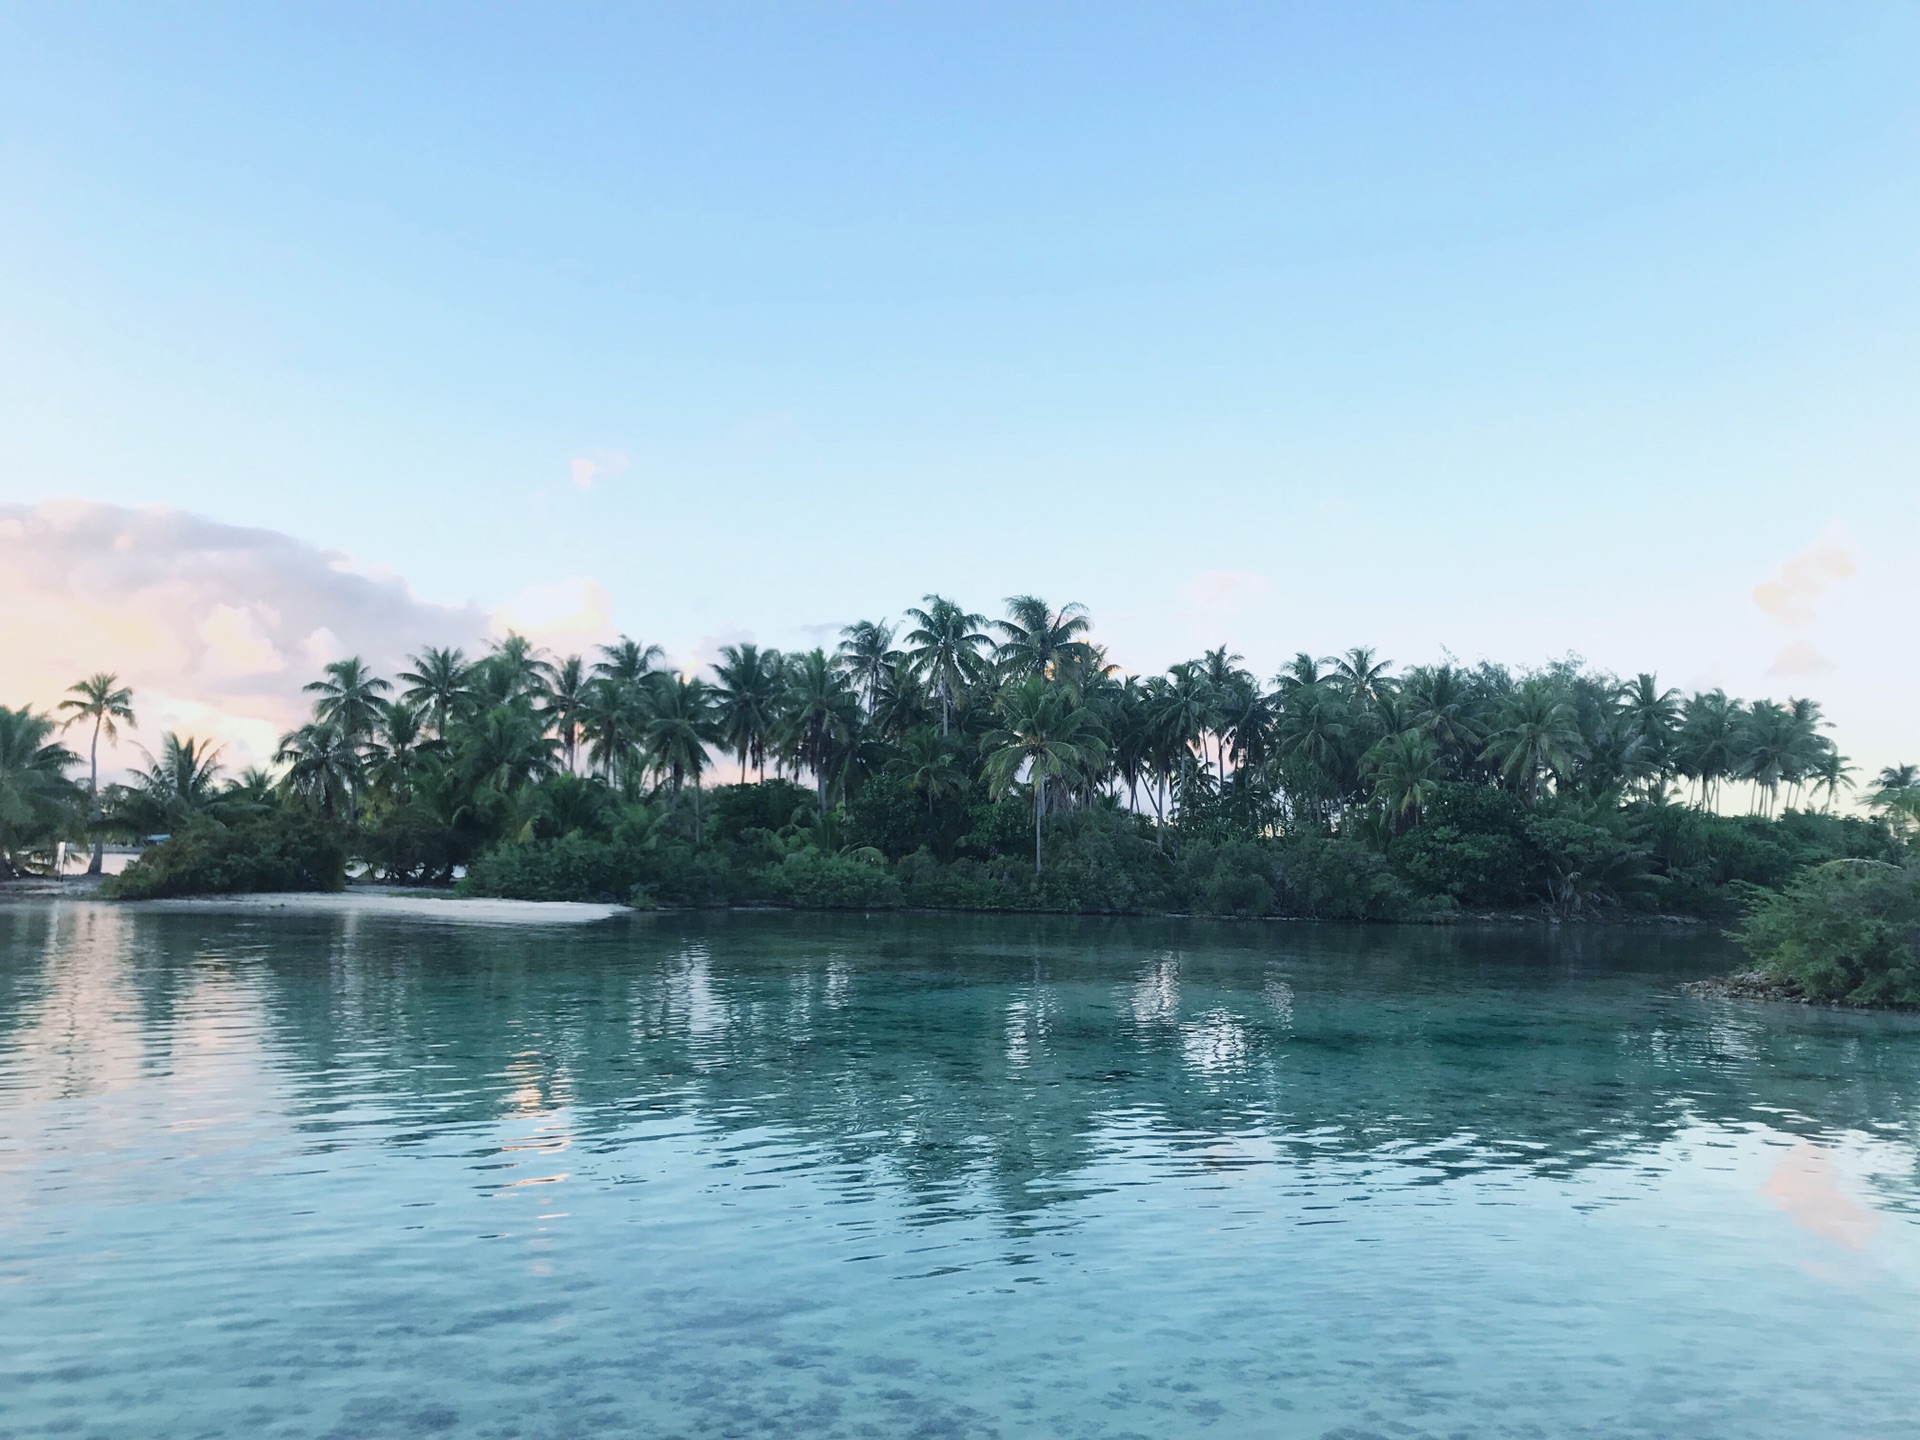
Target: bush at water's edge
(283, 852)
(1847, 931)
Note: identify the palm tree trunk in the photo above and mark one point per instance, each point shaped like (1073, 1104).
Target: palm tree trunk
(1039, 809)
(96, 861)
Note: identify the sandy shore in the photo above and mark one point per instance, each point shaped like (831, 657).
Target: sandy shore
(416, 907)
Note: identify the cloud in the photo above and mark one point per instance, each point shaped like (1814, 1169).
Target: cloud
(1800, 658)
(569, 615)
(215, 627)
(1788, 597)
(586, 469)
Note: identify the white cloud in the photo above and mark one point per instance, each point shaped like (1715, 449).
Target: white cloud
(214, 626)
(568, 616)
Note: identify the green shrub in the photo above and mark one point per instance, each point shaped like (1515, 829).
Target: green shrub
(279, 852)
(1848, 930)
(816, 881)
(573, 867)
(1327, 878)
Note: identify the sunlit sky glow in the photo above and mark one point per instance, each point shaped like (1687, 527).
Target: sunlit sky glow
(1503, 330)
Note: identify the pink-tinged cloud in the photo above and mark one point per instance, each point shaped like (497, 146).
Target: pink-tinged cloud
(1809, 1189)
(1788, 597)
(216, 627)
(1800, 659)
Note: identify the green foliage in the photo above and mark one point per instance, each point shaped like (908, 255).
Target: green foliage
(1847, 931)
(572, 867)
(817, 881)
(283, 851)
(1327, 878)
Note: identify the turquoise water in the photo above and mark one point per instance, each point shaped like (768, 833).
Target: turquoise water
(789, 1175)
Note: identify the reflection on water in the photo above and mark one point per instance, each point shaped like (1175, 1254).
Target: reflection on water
(777, 1175)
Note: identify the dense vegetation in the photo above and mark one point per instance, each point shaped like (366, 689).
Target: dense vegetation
(957, 762)
(1846, 931)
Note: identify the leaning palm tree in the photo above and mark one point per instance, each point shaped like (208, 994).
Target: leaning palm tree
(37, 801)
(747, 702)
(1044, 734)
(946, 642)
(349, 698)
(106, 702)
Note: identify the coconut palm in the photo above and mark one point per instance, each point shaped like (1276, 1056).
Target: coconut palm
(627, 660)
(107, 703)
(440, 684)
(565, 705)
(1406, 771)
(820, 717)
(1036, 640)
(1045, 734)
(516, 669)
(927, 762)
(1706, 748)
(349, 698)
(945, 646)
(324, 767)
(37, 801)
(1360, 676)
(747, 699)
(676, 727)
(1536, 737)
(179, 786)
(867, 655)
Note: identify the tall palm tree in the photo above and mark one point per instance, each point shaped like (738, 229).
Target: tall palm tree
(1360, 676)
(566, 704)
(1653, 718)
(1705, 749)
(107, 703)
(349, 698)
(519, 669)
(440, 684)
(946, 642)
(930, 767)
(677, 726)
(36, 798)
(747, 702)
(867, 655)
(1037, 641)
(820, 717)
(1045, 734)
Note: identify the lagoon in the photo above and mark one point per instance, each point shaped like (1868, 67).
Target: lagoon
(337, 1175)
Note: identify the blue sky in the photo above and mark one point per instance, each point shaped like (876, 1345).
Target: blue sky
(1509, 329)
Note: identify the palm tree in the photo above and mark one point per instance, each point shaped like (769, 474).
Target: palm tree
(820, 717)
(102, 699)
(518, 669)
(566, 704)
(747, 702)
(36, 798)
(946, 642)
(613, 720)
(1537, 737)
(1036, 640)
(1405, 769)
(183, 784)
(440, 684)
(677, 725)
(324, 767)
(1705, 749)
(627, 660)
(867, 655)
(927, 761)
(349, 698)
(1044, 733)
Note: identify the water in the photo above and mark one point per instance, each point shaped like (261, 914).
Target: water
(798, 1176)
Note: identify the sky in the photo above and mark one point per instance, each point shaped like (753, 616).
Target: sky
(1497, 331)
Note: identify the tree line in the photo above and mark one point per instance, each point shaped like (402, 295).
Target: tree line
(905, 735)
